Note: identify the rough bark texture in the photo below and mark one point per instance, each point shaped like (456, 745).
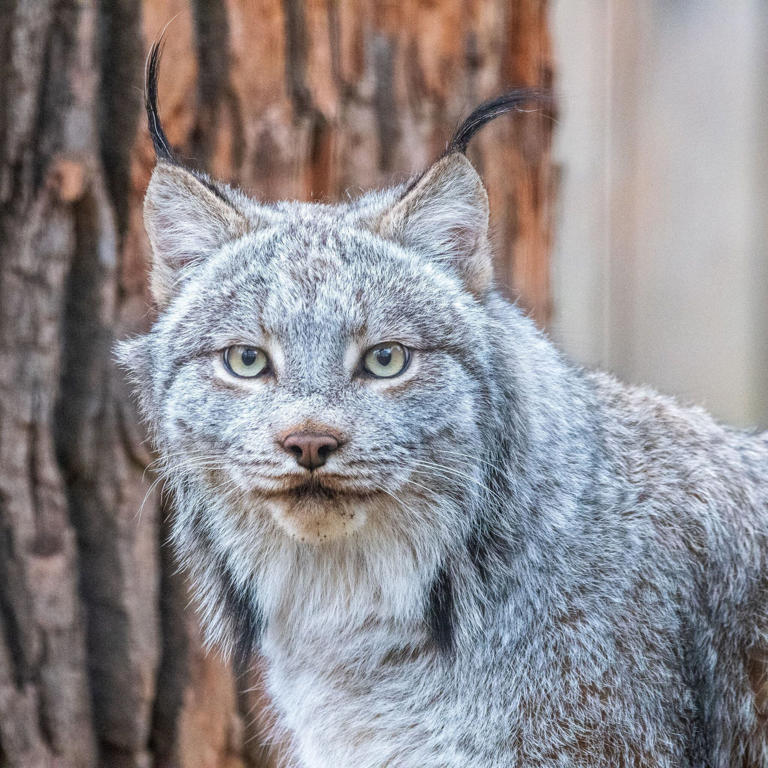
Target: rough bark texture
(100, 657)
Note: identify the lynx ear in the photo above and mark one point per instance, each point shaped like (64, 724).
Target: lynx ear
(186, 221)
(445, 217)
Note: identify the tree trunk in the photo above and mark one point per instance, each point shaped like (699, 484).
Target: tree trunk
(100, 658)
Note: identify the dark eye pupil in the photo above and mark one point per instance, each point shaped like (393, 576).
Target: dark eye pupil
(248, 356)
(384, 356)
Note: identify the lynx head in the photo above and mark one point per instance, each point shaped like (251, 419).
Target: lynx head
(316, 379)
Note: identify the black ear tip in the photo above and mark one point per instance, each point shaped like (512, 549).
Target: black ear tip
(159, 139)
(511, 101)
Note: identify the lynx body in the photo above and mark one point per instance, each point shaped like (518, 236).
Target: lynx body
(488, 558)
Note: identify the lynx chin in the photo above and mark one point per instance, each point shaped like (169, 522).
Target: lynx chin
(452, 546)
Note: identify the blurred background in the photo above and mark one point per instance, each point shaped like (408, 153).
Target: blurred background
(660, 268)
(627, 220)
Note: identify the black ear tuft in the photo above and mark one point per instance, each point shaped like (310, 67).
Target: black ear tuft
(490, 110)
(159, 139)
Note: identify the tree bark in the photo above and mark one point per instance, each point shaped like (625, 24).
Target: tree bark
(100, 658)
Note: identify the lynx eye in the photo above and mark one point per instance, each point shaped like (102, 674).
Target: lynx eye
(386, 360)
(246, 362)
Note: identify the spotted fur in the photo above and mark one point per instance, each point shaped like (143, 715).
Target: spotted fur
(530, 565)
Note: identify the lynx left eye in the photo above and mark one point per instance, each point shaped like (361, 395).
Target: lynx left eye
(386, 360)
(246, 362)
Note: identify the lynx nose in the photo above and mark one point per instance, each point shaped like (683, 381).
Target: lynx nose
(310, 449)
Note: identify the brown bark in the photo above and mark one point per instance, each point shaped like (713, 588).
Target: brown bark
(100, 658)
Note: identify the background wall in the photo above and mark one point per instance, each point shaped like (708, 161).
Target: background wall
(100, 654)
(661, 257)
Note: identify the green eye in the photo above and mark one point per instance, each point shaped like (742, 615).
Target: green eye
(386, 360)
(246, 362)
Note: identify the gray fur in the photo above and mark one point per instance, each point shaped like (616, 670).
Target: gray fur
(538, 566)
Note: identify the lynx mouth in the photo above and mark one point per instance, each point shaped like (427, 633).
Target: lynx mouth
(323, 490)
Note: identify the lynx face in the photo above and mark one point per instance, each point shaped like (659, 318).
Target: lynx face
(363, 371)
(319, 366)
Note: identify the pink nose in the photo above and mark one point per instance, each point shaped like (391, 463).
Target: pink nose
(310, 449)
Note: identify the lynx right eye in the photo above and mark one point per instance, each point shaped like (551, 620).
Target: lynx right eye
(246, 362)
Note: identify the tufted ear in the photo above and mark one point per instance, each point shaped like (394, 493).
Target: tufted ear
(186, 220)
(445, 217)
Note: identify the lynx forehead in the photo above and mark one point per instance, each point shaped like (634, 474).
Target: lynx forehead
(453, 547)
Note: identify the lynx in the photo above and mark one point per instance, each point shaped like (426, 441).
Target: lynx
(452, 546)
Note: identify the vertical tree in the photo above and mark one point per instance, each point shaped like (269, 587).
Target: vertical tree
(100, 658)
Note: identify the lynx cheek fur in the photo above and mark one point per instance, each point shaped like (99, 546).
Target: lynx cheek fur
(489, 558)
